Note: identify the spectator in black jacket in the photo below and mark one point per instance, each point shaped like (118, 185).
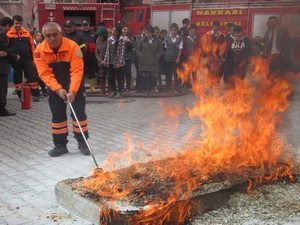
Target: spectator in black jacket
(236, 57)
(6, 56)
(71, 33)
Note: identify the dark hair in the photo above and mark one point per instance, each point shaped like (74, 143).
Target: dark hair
(174, 25)
(273, 18)
(118, 28)
(237, 29)
(216, 23)
(193, 26)
(164, 31)
(185, 21)
(230, 25)
(18, 18)
(101, 24)
(156, 28)
(6, 20)
(150, 29)
(33, 33)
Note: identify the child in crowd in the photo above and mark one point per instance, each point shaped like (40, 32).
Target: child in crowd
(101, 44)
(192, 44)
(162, 36)
(129, 42)
(149, 51)
(114, 60)
(174, 46)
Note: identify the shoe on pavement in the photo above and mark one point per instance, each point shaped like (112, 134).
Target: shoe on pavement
(82, 146)
(112, 95)
(7, 113)
(36, 98)
(14, 92)
(58, 150)
(118, 96)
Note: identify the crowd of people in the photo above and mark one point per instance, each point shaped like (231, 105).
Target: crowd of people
(59, 64)
(157, 54)
(109, 54)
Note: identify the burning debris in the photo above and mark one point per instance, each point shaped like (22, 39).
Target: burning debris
(239, 142)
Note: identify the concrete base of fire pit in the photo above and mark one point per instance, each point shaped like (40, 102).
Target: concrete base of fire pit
(89, 209)
(84, 207)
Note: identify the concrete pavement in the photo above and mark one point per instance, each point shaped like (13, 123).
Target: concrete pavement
(28, 174)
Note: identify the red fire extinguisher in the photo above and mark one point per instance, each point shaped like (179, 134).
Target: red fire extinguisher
(26, 97)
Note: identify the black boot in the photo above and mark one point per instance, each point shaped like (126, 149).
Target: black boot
(58, 150)
(19, 93)
(35, 95)
(82, 146)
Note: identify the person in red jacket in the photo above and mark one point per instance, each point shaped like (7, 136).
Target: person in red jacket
(60, 65)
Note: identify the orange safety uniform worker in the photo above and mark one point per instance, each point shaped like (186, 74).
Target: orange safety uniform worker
(60, 65)
(21, 43)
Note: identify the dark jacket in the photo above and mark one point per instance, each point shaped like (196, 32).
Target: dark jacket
(238, 51)
(5, 61)
(282, 43)
(79, 38)
(149, 54)
(172, 48)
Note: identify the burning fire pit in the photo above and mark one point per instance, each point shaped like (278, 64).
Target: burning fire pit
(148, 198)
(239, 147)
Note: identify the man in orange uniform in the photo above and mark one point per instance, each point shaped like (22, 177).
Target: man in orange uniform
(60, 65)
(21, 43)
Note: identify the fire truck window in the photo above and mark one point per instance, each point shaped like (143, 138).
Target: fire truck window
(128, 16)
(139, 16)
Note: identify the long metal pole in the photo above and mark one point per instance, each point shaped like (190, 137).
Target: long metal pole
(92, 153)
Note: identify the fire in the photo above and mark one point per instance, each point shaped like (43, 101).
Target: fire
(239, 138)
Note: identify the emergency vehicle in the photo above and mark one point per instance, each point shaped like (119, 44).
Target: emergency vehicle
(93, 11)
(252, 15)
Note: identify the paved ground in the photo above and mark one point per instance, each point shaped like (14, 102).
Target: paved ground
(28, 174)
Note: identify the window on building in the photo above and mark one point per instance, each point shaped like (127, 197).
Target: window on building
(140, 16)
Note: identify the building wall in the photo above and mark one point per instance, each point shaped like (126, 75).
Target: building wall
(23, 9)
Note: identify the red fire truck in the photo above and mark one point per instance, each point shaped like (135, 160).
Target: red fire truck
(60, 11)
(251, 15)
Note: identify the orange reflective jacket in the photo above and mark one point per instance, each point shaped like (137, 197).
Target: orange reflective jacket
(21, 42)
(63, 69)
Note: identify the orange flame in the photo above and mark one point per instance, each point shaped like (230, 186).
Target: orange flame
(239, 136)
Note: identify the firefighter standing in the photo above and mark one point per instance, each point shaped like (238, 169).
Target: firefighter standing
(60, 66)
(72, 34)
(90, 61)
(21, 43)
